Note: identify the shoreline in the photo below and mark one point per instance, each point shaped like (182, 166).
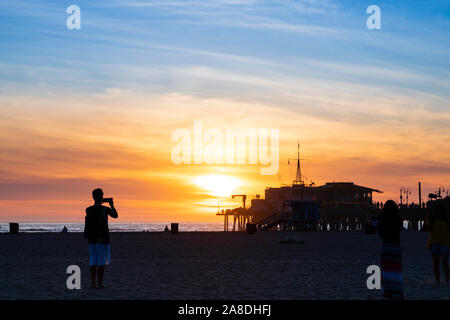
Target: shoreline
(113, 226)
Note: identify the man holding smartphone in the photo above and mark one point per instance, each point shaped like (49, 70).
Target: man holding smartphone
(97, 232)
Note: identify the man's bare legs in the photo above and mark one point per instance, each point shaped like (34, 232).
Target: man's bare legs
(92, 270)
(101, 271)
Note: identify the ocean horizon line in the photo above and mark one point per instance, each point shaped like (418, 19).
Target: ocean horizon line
(41, 227)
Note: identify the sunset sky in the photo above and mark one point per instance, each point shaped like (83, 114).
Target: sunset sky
(97, 107)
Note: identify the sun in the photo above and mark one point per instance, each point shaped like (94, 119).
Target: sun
(218, 185)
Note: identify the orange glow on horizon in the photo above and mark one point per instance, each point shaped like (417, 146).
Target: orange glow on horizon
(50, 161)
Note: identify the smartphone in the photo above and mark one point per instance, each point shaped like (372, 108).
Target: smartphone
(107, 200)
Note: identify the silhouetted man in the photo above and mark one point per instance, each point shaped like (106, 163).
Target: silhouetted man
(97, 232)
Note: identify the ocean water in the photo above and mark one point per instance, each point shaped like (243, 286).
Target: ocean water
(124, 227)
(113, 227)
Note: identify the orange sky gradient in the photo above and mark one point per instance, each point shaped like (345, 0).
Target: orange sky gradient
(55, 149)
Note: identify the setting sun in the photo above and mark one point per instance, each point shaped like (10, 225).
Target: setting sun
(217, 184)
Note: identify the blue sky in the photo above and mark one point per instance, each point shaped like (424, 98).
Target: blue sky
(130, 43)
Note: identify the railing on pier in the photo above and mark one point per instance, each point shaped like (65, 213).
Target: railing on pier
(271, 221)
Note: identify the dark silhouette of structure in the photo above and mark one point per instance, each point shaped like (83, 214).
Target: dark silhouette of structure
(336, 205)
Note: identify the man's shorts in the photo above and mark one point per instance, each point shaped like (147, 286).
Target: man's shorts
(99, 254)
(439, 249)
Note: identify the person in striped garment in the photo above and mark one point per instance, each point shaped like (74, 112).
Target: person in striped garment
(390, 226)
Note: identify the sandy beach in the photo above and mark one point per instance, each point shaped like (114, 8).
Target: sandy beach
(211, 265)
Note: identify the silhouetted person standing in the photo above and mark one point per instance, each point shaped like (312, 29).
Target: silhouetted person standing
(97, 232)
(390, 226)
(438, 243)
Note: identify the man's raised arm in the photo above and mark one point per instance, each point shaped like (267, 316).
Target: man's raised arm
(113, 213)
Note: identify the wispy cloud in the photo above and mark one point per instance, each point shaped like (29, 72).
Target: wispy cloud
(245, 14)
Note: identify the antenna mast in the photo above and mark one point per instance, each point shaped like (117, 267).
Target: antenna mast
(298, 176)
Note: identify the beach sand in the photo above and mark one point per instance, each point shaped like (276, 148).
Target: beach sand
(211, 265)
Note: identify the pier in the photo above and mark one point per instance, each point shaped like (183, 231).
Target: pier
(338, 206)
(240, 218)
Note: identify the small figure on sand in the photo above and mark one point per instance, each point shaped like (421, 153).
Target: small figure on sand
(389, 228)
(64, 229)
(437, 223)
(97, 232)
(166, 229)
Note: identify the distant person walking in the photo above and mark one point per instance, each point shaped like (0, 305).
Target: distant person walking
(390, 226)
(437, 223)
(97, 232)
